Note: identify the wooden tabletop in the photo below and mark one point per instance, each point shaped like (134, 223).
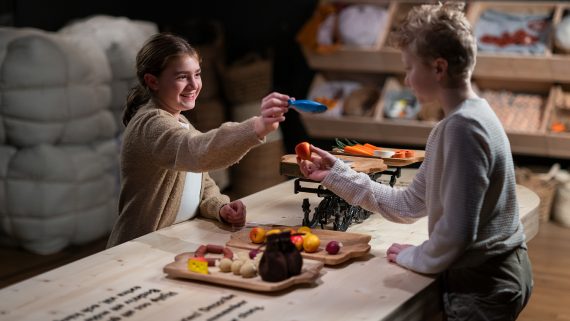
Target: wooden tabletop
(127, 282)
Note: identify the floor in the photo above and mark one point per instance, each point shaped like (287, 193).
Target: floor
(549, 252)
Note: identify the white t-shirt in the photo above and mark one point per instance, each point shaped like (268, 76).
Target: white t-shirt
(190, 196)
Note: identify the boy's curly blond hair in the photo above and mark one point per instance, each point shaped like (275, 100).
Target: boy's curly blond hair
(440, 31)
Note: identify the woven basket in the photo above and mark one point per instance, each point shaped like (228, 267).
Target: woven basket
(258, 169)
(544, 188)
(247, 80)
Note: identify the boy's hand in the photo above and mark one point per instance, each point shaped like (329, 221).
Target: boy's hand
(319, 166)
(273, 108)
(394, 250)
(233, 213)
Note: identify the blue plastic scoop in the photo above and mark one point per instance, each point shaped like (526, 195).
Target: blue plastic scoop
(307, 106)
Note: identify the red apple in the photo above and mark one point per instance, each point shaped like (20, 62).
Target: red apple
(297, 240)
(303, 150)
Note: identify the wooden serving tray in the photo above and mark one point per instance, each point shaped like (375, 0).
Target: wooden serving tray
(289, 166)
(395, 162)
(354, 244)
(179, 269)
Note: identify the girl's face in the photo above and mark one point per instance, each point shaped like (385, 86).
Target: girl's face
(420, 77)
(179, 84)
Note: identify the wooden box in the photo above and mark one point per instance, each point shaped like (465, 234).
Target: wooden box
(525, 126)
(516, 65)
(344, 57)
(427, 112)
(360, 102)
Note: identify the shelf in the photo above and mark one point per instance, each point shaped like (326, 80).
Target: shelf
(416, 133)
(509, 71)
(553, 68)
(549, 67)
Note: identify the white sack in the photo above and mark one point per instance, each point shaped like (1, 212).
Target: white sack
(121, 39)
(50, 85)
(53, 196)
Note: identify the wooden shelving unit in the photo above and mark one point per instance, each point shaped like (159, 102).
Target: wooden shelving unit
(549, 70)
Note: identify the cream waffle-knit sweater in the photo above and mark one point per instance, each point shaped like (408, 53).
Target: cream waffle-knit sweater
(466, 187)
(156, 154)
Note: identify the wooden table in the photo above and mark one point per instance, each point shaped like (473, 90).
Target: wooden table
(127, 282)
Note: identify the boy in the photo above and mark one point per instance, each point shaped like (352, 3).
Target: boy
(466, 184)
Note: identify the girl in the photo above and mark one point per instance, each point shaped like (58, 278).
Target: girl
(164, 159)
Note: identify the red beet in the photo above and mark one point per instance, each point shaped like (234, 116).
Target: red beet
(333, 247)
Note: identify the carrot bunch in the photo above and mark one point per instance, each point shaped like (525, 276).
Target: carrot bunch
(355, 148)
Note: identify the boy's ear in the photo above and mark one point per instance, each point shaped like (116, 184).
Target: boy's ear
(440, 67)
(151, 81)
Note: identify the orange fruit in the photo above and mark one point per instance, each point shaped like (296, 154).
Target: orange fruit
(273, 231)
(311, 243)
(257, 235)
(304, 229)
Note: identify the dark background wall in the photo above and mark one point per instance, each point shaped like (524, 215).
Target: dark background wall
(265, 27)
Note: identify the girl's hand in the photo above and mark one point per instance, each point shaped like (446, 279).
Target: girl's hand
(394, 250)
(319, 166)
(233, 213)
(273, 108)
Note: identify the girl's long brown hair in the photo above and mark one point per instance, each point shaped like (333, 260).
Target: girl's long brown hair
(152, 59)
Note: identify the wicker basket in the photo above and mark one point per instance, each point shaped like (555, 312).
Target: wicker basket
(258, 169)
(247, 80)
(545, 189)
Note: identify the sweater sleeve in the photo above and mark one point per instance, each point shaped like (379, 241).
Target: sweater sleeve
(398, 205)
(464, 181)
(212, 199)
(174, 147)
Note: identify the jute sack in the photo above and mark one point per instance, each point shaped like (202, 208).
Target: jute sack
(561, 206)
(543, 185)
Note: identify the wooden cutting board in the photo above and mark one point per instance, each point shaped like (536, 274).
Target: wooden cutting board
(367, 165)
(178, 269)
(354, 244)
(394, 162)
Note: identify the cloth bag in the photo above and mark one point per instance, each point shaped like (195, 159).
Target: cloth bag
(561, 206)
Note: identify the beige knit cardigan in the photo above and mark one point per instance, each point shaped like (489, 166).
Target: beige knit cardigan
(156, 154)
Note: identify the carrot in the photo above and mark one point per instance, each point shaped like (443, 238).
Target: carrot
(371, 150)
(355, 150)
(372, 146)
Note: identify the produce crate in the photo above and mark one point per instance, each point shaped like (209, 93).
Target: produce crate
(559, 142)
(345, 57)
(357, 97)
(518, 65)
(369, 128)
(525, 126)
(427, 112)
(562, 11)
